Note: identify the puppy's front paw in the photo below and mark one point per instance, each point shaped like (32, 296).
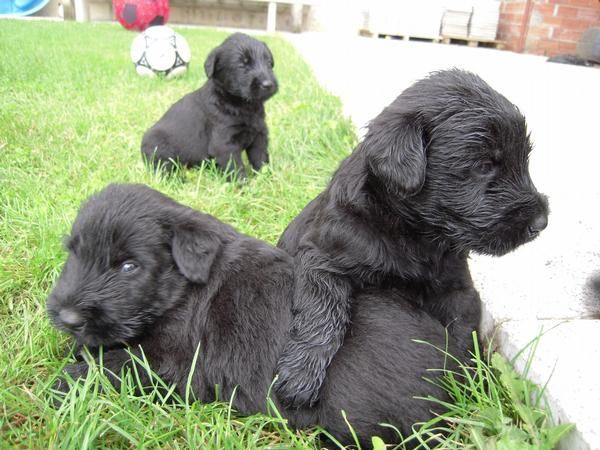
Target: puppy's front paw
(236, 176)
(59, 391)
(61, 386)
(300, 376)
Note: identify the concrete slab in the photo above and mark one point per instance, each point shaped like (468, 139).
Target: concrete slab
(543, 283)
(567, 359)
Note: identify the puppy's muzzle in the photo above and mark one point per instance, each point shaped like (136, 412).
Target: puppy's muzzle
(540, 221)
(266, 85)
(70, 319)
(537, 225)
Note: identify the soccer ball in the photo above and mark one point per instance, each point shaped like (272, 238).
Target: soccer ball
(160, 51)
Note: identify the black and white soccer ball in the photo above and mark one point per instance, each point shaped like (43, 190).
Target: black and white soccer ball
(159, 50)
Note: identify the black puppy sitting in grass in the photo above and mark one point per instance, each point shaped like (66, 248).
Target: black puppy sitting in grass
(222, 118)
(146, 273)
(442, 171)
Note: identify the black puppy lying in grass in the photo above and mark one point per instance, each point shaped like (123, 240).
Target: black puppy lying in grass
(442, 171)
(222, 118)
(146, 273)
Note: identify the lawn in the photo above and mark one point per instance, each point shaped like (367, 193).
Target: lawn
(72, 113)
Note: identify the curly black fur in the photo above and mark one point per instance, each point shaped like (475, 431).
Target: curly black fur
(222, 118)
(442, 171)
(144, 272)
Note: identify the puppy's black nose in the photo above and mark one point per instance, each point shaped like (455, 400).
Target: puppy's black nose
(70, 319)
(538, 224)
(266, 84)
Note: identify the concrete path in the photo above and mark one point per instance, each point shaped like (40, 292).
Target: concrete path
(541, 286)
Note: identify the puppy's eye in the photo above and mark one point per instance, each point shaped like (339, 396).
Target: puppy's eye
(485, 167)
(128, 266)
(246, 61)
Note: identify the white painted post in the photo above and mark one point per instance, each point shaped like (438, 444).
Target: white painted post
(82, 13)
(297, 17)
(272, 17)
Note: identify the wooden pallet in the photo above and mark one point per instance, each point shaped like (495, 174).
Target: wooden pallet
(403, 37)
(471, 42)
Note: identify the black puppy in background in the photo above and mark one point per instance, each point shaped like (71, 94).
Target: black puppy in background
(442, 171)
(222, 118)
(146, 272)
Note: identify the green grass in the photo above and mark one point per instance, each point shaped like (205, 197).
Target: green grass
(72, 113)
(493, 407)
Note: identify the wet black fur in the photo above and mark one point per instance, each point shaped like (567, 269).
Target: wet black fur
(222, 118)
(593, 300)
(442, 171)
(145, 272)
(567, 58)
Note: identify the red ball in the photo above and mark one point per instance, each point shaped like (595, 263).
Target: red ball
(141, 14)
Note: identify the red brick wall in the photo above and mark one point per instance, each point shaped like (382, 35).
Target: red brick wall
(512, 14)
(549, 27)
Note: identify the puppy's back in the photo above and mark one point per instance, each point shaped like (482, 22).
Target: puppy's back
(248, 322)
(380, 369)
(180, 134)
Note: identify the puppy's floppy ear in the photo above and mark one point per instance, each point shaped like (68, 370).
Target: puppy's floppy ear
(395, 155)
(211, 62)
(194, 251)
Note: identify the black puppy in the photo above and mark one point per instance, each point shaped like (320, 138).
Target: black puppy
(222, 118)
(146, 272)
(442, 171)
